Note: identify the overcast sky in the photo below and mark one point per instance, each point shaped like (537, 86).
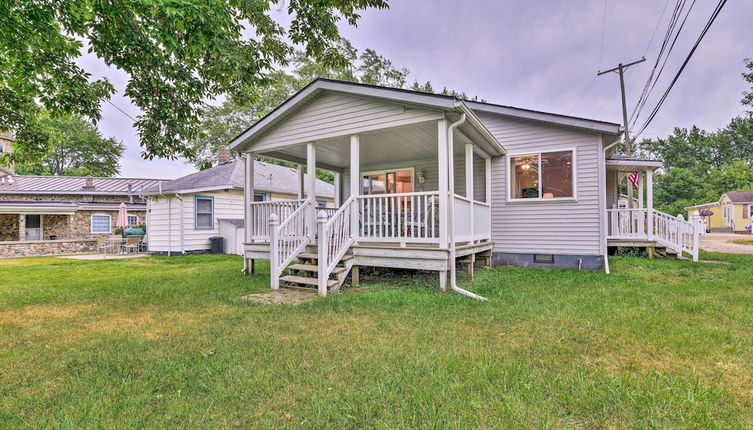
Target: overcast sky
(533, 54)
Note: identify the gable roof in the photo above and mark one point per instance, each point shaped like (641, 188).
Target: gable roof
(740, 196)
(231, 175)
(23, 184)
(416, 98)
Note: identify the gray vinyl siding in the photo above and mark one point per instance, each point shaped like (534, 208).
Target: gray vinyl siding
(612, 192)
(332, 115)
(546, 227)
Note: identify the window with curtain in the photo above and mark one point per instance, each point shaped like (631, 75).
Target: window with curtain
(204, 213)
(545, 175)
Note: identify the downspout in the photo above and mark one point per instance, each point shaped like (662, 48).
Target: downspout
(604, 219)
(451, 211)
(182, 222)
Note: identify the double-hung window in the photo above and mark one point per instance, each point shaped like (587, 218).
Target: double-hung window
(100, 223)
(133, 220)
(204, 213)
(542, 176)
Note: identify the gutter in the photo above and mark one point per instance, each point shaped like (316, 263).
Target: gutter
(451, 211)
(604, 220)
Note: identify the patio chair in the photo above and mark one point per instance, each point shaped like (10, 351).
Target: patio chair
(133, 244)
(102, 245)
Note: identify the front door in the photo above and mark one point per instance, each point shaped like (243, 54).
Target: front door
(33, 227)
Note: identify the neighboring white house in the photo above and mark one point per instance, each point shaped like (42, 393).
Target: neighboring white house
(428, 180)
(184, 213)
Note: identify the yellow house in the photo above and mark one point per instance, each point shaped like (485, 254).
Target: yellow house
(732, 213)
(737, 207)
(715, 221)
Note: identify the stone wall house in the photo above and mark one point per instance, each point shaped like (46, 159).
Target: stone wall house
(44, 215)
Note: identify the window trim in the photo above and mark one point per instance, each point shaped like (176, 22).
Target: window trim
(260, 193)
(510, 172)
(91, 223)
(385, 171)
(134, 224)
(750, 211)
(196, 198)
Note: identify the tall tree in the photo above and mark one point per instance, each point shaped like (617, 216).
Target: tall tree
(75, 148)
(177, 55)
(748, 77)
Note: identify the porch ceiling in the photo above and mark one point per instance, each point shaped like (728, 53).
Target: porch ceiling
(396, 144)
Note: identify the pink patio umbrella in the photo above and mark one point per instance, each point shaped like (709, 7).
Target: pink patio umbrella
(122, 221)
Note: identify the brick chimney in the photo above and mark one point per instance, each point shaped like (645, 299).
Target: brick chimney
(89, 183)
(223, 154)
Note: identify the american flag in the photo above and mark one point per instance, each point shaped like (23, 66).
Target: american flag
(634, 179)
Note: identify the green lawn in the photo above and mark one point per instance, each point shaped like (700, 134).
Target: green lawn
(743, 241)
(169, 343)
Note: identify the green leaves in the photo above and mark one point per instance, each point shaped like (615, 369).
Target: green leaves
(72, 147)
(178, 54)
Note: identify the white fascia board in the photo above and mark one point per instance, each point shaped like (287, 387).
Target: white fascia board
(568, 121)
(193, 190)
(638, 163)
(480, 127)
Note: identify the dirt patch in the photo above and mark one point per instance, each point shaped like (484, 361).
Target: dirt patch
(281, 296)
(33, 315)
(726, 243)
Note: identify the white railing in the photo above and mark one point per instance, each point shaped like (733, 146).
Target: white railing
(288, 239)
(329, 211)
(652, 225)
(471, 219)
(628, 223)
(401, 217)
(261, 211)
(334, 238)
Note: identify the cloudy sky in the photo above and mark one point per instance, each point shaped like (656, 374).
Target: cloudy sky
(534, 54)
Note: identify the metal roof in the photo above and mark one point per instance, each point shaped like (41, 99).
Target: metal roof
(267, 177)
(73, 185)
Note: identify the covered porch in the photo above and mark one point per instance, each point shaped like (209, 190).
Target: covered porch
(414, 195)
(35, 221)
(632, 220)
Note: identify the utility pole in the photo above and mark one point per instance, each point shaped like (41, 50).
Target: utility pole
(620, 69)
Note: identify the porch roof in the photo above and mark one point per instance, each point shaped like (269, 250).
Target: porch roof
(62, 207)
(632, 164)
(450, 105)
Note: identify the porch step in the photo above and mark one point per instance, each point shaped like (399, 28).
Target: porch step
(313, 256)
(331, 283)
(313, 268)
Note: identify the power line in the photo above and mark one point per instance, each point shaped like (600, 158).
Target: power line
(620, 69)
(121, 110)
(711, 20)
(652, 81)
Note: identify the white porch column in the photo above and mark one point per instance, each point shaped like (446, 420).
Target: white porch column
(338, 188)
(301, 187)
(650, 202)
(355, 181)
(469, 184)
(630, 204)
(640, 190)
(444, 184)
(311, 187)
(248, 196)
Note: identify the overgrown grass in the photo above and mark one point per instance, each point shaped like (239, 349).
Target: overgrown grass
(169, 343)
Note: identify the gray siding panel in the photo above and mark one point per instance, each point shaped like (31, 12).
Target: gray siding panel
(332, 115)
(571, 228)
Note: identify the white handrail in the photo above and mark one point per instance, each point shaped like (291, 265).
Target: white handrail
(339, 236)
(261, 211)
(399, 217)
(290, 238)
(652, 225)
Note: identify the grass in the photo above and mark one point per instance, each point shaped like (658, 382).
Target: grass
(169, 343)
(742, 241)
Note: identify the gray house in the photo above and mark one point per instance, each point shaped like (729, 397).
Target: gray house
(425, 181)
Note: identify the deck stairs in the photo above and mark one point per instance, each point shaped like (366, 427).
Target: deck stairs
(302, 274)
